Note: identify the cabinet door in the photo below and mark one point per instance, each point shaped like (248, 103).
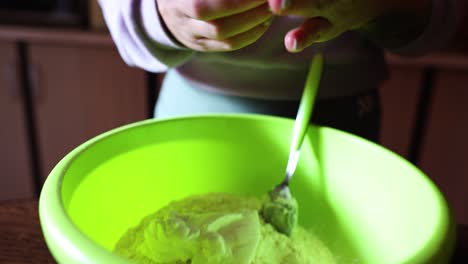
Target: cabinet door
(399, 97)
(80, 92)
(15, 167)
(445, 148)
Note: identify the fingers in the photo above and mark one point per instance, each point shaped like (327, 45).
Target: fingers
(311, 31)
(277, 6)
(233, 43)
(229, 33)
(213, 9)
(307, 8)
(227, 27)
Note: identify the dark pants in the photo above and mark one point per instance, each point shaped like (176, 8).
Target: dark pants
(358, 114)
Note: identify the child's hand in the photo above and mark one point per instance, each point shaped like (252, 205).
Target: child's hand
(326, 18)
(215, 25)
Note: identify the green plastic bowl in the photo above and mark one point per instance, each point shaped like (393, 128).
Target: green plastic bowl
(366, 203)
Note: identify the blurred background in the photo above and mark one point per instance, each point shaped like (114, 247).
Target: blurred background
(63, 82)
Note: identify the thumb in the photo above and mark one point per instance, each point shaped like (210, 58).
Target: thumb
(277, 6)
(311, 31)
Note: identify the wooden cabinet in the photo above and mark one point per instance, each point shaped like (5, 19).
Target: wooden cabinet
(16, 179)
(79, 92)
(59, 88)
(399, 96)
(445, 146)
(442, 146)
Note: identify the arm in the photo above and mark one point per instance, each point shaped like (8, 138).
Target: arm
(402, 26)
(145, 41)
(417, 28)
(139, 34)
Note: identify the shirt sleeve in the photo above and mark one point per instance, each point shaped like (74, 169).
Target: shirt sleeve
(445, 19)
(140, 36)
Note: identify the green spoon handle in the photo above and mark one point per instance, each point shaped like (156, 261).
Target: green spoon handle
(305, 111)
(307, 102)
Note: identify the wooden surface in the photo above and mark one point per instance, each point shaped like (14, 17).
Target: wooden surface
(21, 239)
(15, 170)
(55, 36)
(79, 93)
(447, 60)
(399, 96)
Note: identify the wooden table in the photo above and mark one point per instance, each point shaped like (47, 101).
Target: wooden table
(21, 240)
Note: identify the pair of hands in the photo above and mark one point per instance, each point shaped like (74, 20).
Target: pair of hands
(226, 25)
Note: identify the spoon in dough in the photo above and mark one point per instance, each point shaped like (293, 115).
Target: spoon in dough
(281, 208)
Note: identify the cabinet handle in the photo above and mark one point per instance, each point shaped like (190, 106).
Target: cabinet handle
(10, 74)
(35, 82)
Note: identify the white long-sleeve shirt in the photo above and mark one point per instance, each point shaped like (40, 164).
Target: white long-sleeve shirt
(265, 69)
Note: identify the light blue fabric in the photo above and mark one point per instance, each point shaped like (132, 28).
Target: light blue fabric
(178, 97)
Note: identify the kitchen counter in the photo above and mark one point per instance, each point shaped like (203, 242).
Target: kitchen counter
(21, 239)
(55, 36)
(452, 58)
